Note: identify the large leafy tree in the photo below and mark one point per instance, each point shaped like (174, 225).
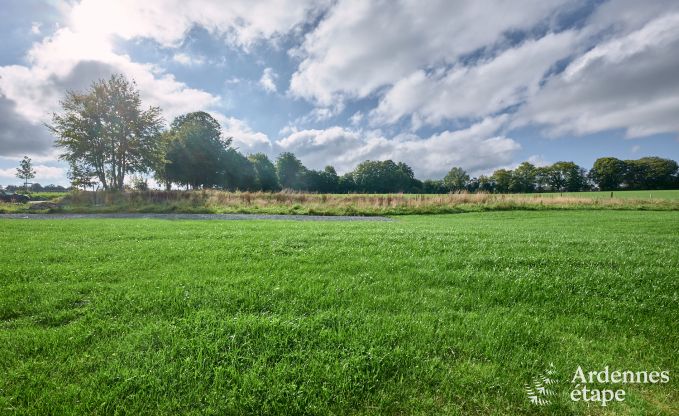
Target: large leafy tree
(650, 173)
(456, 179)
(523, 178)
(290, 171)
(608, 173)
(382, 177)
(196, 151)
(502, 180)
(106, 131)
(265, 172)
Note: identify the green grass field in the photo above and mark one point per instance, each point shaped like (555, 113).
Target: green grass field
(449, 314)
(648, 195)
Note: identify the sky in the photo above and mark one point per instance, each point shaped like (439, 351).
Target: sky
(482, 84)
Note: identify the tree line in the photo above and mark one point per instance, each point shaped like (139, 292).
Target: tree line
(106, 135)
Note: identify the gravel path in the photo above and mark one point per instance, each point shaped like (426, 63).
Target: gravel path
(195, 217)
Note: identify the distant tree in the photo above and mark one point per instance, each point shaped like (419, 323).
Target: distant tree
(565, 177)
(382, 177)
(25, 171)
(290, 171)
(485, 184)
(36, 187)
(346, 183)
(502, 179)
(434, 186)
(608, 173)
(523, 178)
(328, 180)
(196, 152)
(265, 172)
(106, 131)
(650, 173)
(456, 179)
(238, 172)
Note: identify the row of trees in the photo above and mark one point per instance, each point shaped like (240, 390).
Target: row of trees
(105, 134)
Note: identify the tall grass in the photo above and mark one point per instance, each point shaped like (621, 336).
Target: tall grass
(213, 201)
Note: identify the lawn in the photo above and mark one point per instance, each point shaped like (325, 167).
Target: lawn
(449, 314)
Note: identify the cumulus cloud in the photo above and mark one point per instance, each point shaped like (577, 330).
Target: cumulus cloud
(43, 173)
(268, 80)
(478, 148)
(363, 45)
(167, 21)
(476, 90)
(629, 82)
(245, 139)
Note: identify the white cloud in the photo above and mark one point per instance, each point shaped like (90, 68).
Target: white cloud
(188, 60)
(167, 21)
(244, 137)
(476, 90)
(268, 80)
(478, 148)
(629, 82)
(35, 28)
(363, 45)
(43, 174)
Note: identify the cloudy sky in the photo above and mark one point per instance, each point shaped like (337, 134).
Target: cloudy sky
(480, 84)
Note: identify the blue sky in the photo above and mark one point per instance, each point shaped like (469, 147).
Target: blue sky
(482, 85)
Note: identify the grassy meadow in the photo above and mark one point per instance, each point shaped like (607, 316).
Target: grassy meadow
(213, 201)
(448, 314)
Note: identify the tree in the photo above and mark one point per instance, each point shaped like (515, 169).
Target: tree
(565, 177)
(502, 179)
(238, 173)
(265, 172)
(106, 131)
(608, 173)
(25, 171)
(382, 177)
(456, 179)
(523, 178)
(196, 153)
(650, 173)
(290, 171)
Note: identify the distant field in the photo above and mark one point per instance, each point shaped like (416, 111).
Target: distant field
(449, 314)
(214, 201)
(648, 195)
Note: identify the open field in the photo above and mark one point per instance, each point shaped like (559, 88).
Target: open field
(672, 194)
(449, 314)
(219, 202)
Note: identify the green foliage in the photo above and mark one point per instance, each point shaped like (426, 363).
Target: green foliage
(265, 172)
(106, 132)
(196, 152)
(425, 315)
(456, 179)
(25, 171)
(382, 177)
(290, 171)
(650, 173)
(502, 179)
(608, 173)
(523, 178)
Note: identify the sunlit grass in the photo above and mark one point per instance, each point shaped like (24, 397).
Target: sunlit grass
(425, 315)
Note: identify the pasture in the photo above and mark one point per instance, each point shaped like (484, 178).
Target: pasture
(449, 314)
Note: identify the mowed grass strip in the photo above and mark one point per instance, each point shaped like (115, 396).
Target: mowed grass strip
(449, 314)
